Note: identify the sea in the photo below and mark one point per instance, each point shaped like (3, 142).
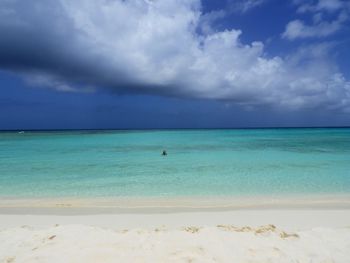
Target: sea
(199, 163)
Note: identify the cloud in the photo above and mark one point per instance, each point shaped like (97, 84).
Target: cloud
(320, 5)
(319, 27)
(245, 5)
(208, 20)
(153, 47)
(298, 29)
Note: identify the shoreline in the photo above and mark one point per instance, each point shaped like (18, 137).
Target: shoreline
(296, 212)
(170, 204)
(291, 219)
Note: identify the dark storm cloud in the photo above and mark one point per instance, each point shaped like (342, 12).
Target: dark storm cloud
(153, 47)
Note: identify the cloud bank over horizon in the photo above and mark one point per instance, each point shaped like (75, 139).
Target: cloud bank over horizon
(157, 47)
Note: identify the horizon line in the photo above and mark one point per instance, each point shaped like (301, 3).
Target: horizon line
(183, 128)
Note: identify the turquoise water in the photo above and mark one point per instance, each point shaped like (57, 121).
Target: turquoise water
(199, 163)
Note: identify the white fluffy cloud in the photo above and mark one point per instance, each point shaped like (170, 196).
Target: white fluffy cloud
(154, 47)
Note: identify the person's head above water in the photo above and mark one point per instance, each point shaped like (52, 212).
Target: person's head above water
(164, 152)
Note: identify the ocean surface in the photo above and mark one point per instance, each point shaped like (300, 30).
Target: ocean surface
(241, 162)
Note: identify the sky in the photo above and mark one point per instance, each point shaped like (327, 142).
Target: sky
(127, 64)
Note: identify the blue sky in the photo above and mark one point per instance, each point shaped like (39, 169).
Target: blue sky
(174, 64)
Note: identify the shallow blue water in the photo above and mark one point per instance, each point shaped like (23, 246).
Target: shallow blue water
(199, 163)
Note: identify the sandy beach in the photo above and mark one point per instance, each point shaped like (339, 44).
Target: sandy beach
(161, 233)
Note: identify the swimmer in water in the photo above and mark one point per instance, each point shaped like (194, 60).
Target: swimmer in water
(164, 153)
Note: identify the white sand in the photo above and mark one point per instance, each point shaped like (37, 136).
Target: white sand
(79, 243)
(228, 236)
(71, 231)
